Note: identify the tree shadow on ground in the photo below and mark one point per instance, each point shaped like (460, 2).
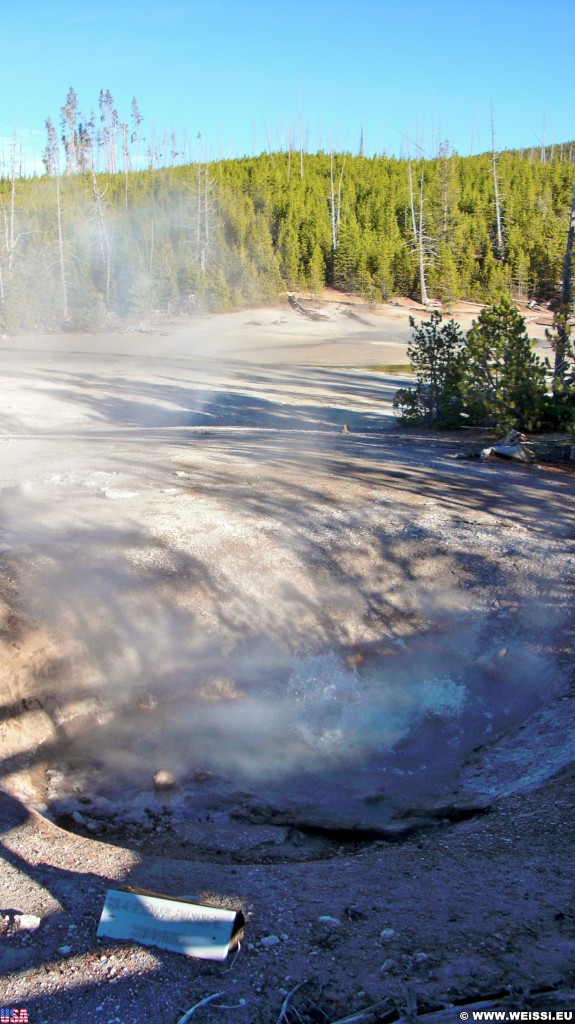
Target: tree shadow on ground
(167, 401)
(391, 459)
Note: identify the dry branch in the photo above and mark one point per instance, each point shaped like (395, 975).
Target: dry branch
(203, 1002)
(287, 1000)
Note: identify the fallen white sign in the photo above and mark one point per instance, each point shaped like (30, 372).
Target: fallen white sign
(169, 923)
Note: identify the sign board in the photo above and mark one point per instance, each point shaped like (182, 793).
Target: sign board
(169, 923)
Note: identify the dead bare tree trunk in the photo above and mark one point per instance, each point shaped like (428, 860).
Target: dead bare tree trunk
(411, 202)
(52, 164)
(500, 244)
(202, 215)
(290, 144)
(269, 143)
(418, 234)
(335, 204)
(70, 115)
(61, 259)
(300, 130)
(567, 262)
(339, 191)
(136, 125)
(127, 166)
(11, 239)
(151, 150)
(113, 135)
(103, 235)
(423, 289)
(199, 233)
(207, 211)
(561, 338)
(332, 205)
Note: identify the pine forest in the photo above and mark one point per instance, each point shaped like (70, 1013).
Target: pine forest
(95, 238)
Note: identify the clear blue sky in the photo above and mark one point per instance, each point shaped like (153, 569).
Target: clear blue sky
(231, 69)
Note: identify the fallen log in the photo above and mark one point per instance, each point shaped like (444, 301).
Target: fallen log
(513, 446)
(309, 313)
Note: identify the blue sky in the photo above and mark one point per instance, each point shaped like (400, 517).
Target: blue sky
(231, 69)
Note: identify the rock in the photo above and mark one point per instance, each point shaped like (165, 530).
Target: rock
(387, 965)
(27, 922)
(269, 940)
(136, 818)
(386, 934)
(332, 922)
(64, 950)
(164, 780)
(117, 495)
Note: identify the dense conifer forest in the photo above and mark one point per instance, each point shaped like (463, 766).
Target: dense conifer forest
(82, 244)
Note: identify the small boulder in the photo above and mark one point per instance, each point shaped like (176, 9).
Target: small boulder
(27, 922)
(331, 922)
(164, 780)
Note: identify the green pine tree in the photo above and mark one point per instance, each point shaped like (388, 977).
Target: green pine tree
(435, 352)
(505, 381)
(316, 271)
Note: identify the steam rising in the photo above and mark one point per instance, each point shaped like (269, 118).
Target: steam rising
(258, 608)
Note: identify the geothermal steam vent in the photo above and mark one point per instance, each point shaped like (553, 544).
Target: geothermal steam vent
(253, 641)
